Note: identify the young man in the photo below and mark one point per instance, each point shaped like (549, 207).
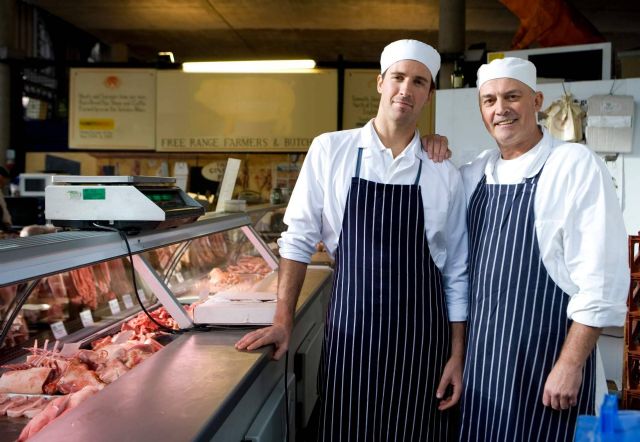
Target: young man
(395, 222)
(547, 269)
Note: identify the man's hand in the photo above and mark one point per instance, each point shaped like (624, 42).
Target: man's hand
(451, 375)
(562, 386)
(563, 383)
(437, 147)
(276, 334)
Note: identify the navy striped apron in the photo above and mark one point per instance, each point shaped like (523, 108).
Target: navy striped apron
(387, 336)
(517, 324)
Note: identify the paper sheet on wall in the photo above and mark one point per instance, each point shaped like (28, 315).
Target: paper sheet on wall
(228, 183)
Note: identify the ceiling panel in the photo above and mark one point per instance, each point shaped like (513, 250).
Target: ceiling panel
(322, 29)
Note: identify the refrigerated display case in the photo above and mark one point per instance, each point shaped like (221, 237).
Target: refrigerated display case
(74, 289)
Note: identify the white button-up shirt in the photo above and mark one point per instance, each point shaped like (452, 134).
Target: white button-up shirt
(318, 201)
(578, 222)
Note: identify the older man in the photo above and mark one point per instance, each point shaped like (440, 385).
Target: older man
(547, 269)
(395, 222)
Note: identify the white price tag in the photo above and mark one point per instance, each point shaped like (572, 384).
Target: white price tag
(179, 277)
(142, 294)
(114, 306)
(128, 302)
(58, 330)
(86, 318)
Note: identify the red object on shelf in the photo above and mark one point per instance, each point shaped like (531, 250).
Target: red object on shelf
(631, 364)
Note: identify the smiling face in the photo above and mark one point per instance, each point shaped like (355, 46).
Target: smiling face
(508, 109)
(405, 88)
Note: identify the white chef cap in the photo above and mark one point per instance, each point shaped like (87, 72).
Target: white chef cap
(509, 67)
(410, 50)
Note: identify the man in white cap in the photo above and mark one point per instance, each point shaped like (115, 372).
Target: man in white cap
(547, 269)
(395, 222)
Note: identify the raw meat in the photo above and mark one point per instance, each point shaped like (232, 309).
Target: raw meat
(29, 381)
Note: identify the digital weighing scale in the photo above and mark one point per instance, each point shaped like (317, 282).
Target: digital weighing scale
(122, 202)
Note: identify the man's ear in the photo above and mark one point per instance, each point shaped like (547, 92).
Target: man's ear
(432, 92)
(538, 100)
(379, 85)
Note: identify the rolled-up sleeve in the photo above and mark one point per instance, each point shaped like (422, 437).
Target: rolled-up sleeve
(595, 243)
(304, 211)
(455, 274)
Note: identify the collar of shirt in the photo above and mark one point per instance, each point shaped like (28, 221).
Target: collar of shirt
(544, 150)
(373, 148)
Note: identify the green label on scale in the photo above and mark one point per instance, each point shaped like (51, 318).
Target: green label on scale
(93, 194)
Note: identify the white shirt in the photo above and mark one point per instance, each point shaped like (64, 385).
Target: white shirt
(579, 225)
(318, 201)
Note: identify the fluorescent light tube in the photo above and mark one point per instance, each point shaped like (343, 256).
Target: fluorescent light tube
(255, 66)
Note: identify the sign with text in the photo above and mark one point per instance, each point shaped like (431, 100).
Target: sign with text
(112, 108)
(244, 112)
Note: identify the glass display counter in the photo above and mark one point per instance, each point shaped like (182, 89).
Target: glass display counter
(68, 299)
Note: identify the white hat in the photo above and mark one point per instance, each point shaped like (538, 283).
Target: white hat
(410, 50)
(509, 67)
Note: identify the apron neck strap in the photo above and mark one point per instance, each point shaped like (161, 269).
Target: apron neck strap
(418, 175)
(357, 174)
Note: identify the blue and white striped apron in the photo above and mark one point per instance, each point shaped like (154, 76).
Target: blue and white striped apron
(517, 324)
(387, 336)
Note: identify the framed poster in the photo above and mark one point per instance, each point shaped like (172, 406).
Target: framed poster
(244, 112)
(112, 108)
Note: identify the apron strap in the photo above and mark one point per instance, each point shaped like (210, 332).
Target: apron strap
(418, 175)
(357, 174)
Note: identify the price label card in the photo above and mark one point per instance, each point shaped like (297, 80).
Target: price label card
(128, 302)
(86, 318)
(114, 306)
(58, 330)
(142, 294)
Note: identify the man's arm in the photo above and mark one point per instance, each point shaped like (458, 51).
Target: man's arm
(563, 383)
(452, 373)
(594, 253)
(290, 278)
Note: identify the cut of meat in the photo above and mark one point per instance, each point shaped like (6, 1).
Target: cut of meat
(29, 381)
(120, 277)
(111, 371)
(53, 409)
(12, 402)
(85, 285)
(76, 377)
(30, 403)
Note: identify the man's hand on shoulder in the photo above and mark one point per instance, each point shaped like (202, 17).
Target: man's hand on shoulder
(436, 147)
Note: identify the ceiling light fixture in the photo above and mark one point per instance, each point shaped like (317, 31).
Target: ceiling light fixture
(255, 66)
(166, 56)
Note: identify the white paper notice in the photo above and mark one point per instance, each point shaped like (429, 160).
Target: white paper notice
(228, 183)
(114, 306)
(86, 318)
(128, 302)
(58, 330)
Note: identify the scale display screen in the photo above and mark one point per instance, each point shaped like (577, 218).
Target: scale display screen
(165, 199)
